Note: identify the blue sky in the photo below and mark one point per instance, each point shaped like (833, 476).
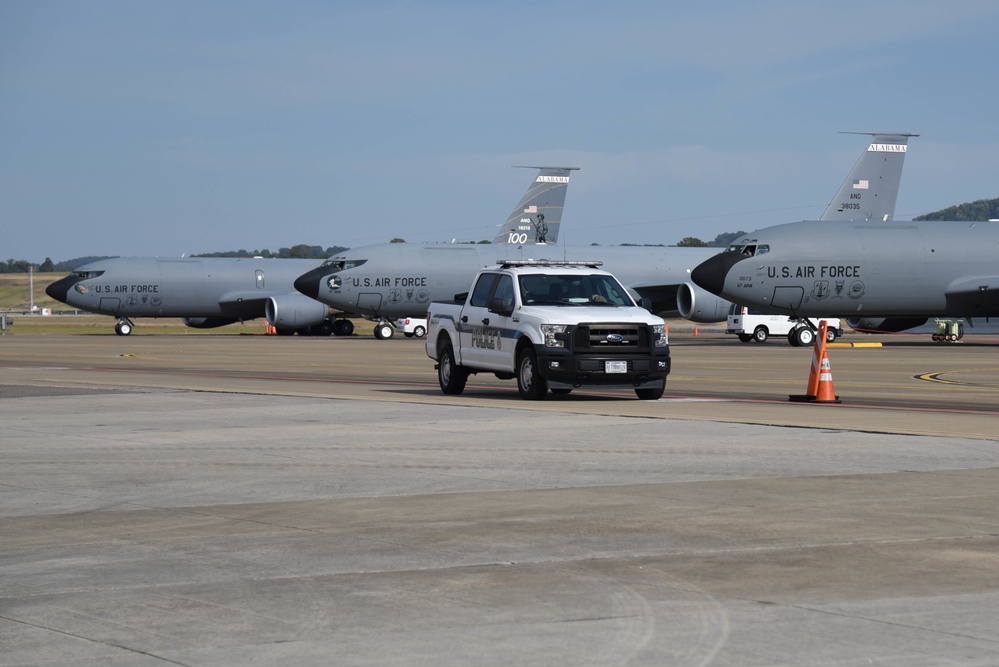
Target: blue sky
(162, 128)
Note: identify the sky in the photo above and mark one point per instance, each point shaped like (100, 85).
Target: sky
(165, 128)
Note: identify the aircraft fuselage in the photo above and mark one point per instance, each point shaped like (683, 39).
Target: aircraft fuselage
(854, 270)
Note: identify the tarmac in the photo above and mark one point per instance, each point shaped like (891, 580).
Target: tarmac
(377, 522)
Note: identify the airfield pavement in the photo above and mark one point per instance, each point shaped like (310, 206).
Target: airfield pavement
(216, 500)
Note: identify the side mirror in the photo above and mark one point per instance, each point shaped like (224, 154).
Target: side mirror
(498, 305)
(646, 303)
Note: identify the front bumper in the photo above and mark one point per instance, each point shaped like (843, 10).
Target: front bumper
(640, 370)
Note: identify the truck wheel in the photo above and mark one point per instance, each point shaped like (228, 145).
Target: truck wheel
(450, 375)
(651, 394)
(761, 334)
(830, 335)
(746, 338)
(530, 384)
(804, 336)
(420, 332)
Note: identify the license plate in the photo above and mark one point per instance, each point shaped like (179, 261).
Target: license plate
(615, 367)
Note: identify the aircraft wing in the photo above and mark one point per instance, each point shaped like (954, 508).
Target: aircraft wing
(974, 292)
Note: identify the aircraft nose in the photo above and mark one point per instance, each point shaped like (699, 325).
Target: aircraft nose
(308, 283)
(711, 273)
(59, 290)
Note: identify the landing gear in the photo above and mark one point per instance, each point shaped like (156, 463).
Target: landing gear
(343, 328)
(384, 331)
(123, 327)
(802, 336)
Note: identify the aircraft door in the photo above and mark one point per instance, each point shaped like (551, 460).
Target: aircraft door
(110, 305)
(787, 298)
(369, 301)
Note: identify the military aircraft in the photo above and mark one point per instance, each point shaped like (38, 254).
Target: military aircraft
(881, 276)
(388, 281)
(206, 292)
(397, 280)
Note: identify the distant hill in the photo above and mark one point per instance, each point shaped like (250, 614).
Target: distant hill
(976, 211)
(300, 251)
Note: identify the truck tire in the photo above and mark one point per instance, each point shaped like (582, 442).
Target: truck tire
(651, 394)
(419, 331)
(746, 338)
(450, 375)
(830, 335)
(530, 384)
(761, 334)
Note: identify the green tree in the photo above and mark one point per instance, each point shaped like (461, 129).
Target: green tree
(691, 242)
(397, 240)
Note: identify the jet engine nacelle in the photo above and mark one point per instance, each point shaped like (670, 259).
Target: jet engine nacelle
(698, 305)
(882, 324)
(207, 322)
(294, 311)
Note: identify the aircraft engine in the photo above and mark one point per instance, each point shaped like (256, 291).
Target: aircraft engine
(882, 324)
(294, 311)
(207, 322)
(698, 305)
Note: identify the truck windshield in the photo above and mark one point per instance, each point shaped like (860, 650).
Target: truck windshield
(573, 290)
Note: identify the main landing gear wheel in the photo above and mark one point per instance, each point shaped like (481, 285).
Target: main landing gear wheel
(123, 328)
(450, 375)
(384, 331)
(343, 328)
(530, 384)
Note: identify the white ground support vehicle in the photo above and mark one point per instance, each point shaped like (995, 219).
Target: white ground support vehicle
(752, 325)
(551, 325)
(411, 326)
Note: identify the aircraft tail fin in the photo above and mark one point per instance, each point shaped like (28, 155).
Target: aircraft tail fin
(537, 217)
(871, 189)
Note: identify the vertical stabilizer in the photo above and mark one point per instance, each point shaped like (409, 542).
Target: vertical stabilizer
(537, 217)
(870, 191)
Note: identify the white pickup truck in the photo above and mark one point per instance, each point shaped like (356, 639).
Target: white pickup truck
(551, 325)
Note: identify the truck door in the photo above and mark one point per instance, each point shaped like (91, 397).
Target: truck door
(474, 325)
(497, 346)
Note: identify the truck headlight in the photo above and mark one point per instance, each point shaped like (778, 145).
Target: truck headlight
(554, 334)
(660, 337)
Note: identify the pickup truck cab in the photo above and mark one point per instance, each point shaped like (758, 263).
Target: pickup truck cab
(551, 325)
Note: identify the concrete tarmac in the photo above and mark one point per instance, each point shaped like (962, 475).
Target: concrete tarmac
(232, 500)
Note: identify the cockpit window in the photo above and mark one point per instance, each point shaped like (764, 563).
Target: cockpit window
(87, 275)
(339, 264)
(750, 249)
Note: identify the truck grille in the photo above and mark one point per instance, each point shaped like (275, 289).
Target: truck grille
(611, 338)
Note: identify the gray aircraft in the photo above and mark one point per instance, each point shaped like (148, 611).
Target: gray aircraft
(206, 292)
(884, 276)
(394, 280)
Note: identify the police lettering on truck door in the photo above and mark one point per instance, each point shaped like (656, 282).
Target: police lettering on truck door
(485, 337)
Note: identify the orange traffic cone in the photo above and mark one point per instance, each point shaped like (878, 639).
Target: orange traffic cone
(695, 331)
(825, 392)
(820, 384)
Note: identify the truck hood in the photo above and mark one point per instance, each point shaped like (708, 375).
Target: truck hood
(578, 314)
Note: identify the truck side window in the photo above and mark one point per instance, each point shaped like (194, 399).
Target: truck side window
(504, 290)
(484, 286)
